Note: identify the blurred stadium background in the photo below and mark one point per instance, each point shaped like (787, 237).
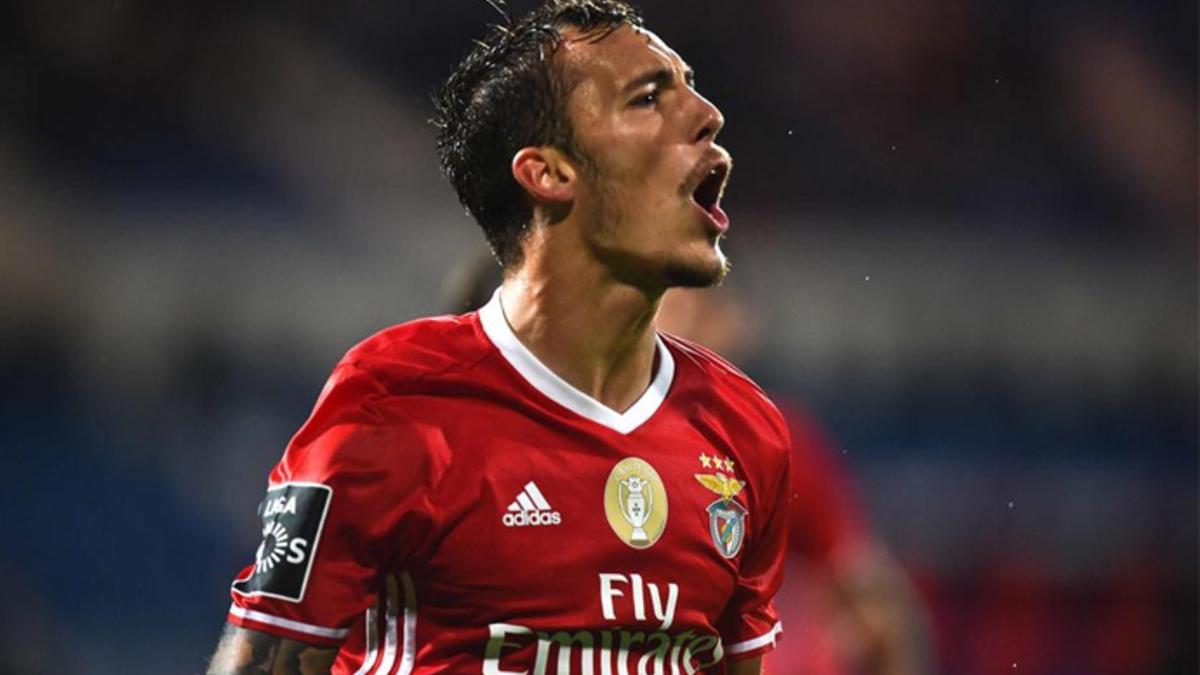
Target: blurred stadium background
(965, 233)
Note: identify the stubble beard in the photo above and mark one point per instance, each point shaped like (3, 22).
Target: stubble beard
(698, 273)
(679, 270)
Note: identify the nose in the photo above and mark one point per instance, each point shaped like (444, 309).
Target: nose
(710, 119)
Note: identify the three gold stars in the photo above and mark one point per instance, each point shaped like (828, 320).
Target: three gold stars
(716, 462)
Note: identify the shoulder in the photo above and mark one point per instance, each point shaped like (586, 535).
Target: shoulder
(369, 384)
(373, 410)
(419, 349)
(726, 390)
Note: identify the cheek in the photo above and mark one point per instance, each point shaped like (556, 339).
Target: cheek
(666, 204)
(652, 184)
(635, 154)
(649, 211)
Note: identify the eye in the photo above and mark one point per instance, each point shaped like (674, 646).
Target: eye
(646, 100)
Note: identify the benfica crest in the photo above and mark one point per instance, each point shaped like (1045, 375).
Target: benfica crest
(726, 517)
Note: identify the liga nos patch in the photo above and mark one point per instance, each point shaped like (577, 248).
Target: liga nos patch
(293, 515)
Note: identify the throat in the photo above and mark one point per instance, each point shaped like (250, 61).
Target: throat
(621, 391)
(586, 345)
(616, 382)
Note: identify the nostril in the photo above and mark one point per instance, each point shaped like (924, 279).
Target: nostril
(713, 121)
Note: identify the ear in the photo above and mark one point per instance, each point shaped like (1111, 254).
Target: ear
(545, 173)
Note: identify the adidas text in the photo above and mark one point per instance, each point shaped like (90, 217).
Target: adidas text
(532, 518)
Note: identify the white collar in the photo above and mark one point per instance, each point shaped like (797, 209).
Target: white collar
(563, 393)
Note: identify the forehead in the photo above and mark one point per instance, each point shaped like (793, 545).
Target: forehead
(613, 60)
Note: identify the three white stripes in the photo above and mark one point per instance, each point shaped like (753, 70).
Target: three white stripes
(391, 638)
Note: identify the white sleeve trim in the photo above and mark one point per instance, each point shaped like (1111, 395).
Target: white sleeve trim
(754, 643)
(299, 627)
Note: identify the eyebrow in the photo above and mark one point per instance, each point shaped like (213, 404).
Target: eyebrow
(660, 77)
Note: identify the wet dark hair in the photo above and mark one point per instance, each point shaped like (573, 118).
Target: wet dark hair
(507, 94)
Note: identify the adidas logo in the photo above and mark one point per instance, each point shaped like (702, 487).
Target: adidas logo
(530, 509)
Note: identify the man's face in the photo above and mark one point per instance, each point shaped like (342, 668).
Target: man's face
(653, 174)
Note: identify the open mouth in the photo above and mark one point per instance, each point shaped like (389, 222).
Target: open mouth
(708, 193)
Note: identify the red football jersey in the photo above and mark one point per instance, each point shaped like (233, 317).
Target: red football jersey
(453, 506)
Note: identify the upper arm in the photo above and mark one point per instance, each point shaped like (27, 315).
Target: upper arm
(749, 624)
(242, 650)
(347, 506)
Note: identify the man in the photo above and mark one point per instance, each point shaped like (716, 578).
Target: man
(848, 604)
(546, 485)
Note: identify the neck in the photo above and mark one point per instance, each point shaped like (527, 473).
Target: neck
(592, 331)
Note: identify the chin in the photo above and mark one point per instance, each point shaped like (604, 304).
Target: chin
(698, 273)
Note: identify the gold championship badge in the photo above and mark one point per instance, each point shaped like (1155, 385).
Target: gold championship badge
(635, 502)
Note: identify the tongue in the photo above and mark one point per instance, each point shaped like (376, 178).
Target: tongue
(719, 215)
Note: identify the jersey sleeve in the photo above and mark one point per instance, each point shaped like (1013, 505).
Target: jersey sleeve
(750, 625)
(349, 501)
